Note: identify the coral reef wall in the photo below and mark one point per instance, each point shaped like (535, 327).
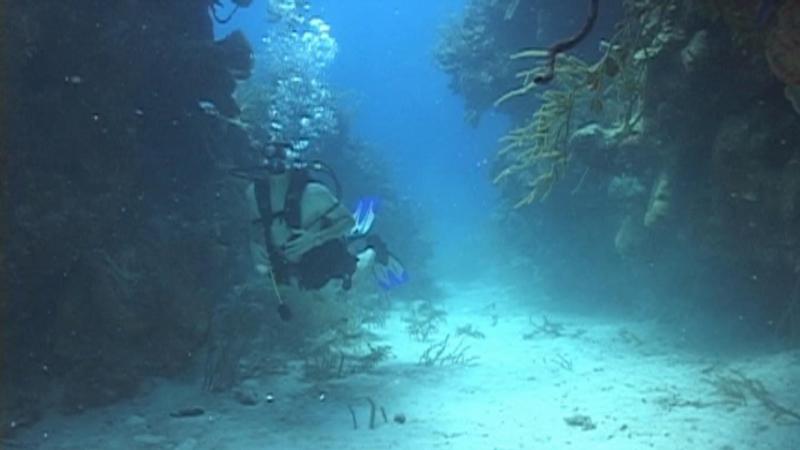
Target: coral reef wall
(665, 167)
(731, 142)
(475, 47)
(120, 230)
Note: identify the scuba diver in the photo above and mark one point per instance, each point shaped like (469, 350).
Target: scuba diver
(311, 238)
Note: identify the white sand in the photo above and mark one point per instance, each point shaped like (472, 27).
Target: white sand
(517, 396)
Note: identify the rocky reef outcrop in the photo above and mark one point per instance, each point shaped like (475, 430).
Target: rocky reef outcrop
(675, 151)
(120, 232)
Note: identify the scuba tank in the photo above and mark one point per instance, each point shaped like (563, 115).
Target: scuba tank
(285, 160)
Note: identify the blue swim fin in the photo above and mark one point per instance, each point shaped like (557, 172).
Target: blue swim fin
(390, 274)
(364, 216)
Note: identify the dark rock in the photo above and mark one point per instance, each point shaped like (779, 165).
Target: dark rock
(188, 412)
(247, 397)
(113, 197)
(583, 422)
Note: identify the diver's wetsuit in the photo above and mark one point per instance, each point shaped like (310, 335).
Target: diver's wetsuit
(318, 266)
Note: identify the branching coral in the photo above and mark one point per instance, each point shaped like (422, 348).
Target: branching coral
(537, 153)
(442, 354)
(469, 330)
(736, 388)
(550, 329)
(540, 146)
(232, 327)
(344, 350)
(329, 362)
(473, 50)
(424, 320)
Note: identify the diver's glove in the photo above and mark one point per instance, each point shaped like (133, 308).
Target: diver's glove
(301, 242)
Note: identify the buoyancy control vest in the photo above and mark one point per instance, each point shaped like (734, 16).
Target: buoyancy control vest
(323, 263)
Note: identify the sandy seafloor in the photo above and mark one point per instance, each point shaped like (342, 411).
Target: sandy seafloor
(640, 389)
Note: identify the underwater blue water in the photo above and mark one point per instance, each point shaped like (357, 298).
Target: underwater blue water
(542, 334)
(401, 105)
